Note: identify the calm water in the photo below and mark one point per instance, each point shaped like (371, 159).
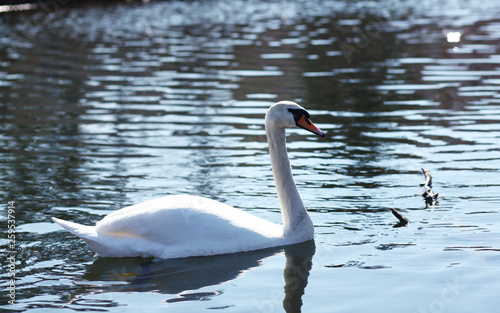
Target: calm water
(104, 106)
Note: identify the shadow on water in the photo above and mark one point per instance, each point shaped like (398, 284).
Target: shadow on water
(184, 276)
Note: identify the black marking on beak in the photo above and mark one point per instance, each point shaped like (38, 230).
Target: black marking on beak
(302, 120)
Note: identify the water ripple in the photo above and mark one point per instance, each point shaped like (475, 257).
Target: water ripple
(106, 105)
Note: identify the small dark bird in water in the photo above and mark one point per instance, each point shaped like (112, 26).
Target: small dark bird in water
(430, 198)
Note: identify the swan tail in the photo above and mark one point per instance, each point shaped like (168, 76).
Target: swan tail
(89, 234)
(103, 244)
(82, 231)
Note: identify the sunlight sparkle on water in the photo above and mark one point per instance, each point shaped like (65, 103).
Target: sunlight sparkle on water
(453, 36)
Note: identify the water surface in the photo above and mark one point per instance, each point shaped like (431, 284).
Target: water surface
(104, 106)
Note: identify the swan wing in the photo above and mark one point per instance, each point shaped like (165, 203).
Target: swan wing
(177, 226)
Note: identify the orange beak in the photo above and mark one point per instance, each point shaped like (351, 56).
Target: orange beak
(306, 123)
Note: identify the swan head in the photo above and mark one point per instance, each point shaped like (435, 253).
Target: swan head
(288, 114)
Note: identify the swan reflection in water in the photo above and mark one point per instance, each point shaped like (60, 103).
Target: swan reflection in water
(176, 276)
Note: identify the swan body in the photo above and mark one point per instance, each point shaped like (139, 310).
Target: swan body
(180, 226)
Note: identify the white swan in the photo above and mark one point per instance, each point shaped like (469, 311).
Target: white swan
(183, 225)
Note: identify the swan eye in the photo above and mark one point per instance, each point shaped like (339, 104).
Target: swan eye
(298, 113)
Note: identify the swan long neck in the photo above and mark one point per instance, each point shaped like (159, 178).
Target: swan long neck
(295, 217)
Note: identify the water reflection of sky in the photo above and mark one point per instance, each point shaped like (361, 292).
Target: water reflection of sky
(105, 105)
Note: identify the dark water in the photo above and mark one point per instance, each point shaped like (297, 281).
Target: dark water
(103, 106)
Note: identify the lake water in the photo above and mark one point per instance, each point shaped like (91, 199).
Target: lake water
(107, 105)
